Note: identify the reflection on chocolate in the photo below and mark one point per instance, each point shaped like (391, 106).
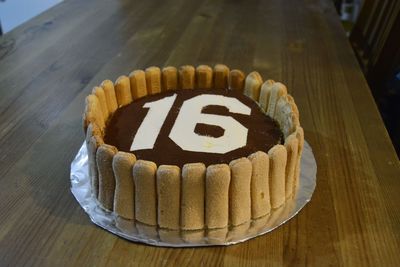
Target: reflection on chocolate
(263, 132)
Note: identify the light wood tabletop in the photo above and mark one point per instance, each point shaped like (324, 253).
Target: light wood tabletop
(49, 64)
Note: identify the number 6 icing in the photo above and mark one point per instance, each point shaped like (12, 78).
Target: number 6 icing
(235, 134)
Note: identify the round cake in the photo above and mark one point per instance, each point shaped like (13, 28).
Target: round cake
(192, 148)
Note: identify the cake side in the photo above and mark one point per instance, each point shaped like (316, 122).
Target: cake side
(269, 179)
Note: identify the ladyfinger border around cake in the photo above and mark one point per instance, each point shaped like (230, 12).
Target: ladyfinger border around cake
(196, 196)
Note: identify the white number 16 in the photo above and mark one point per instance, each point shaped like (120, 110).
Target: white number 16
(182, 132)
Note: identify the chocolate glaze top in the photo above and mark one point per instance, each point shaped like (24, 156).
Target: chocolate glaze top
(263, 132)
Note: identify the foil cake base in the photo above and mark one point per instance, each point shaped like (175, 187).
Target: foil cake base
(152, 235)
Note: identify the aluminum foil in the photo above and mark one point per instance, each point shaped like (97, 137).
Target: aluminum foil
(138, 232)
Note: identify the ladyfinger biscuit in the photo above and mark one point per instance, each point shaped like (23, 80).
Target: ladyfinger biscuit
(149, 231)
(170, 236)
(92, 130)
(204, 77)
(236, 232)
(258, 224)
(93, 113)
(284, 116)
(293, 105)
(217, 236)
(277, 166)
(288, 208)
(93, 144)
(153, 80)
(124, 198)
(221, 74)
(236, 80)
(265, 93)
(109, 93)
(99, 92)
(194, 236)
(274, 216)
(295, 113)
(169, 78)
(292, 146)
(104, 158)
(125, 225)
(260, 198)
(123, 91)
(137, 79)
(186, 77)
(218, 178)
(300, 138)
(277, 90)
(93, 140)
(239, 191)
(287, 115)
(252, 85)
(168, 196)
(144, 177)
(193, 186)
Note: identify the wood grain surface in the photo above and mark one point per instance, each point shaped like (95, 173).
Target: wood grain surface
(49, 65)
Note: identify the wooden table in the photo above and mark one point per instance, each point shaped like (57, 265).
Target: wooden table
(49, 65)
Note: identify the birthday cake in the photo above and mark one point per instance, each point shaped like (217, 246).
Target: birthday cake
(192, 148)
